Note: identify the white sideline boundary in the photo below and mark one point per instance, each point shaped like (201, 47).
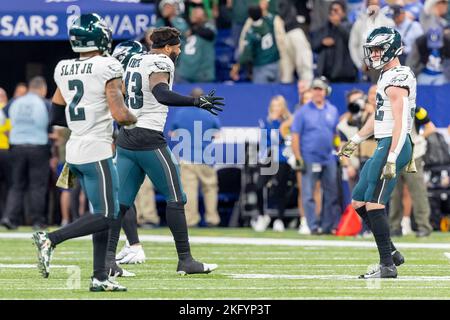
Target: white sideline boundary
(32, 266)
(259, 241)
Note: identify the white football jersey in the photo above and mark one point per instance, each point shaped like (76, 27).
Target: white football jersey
(402, 77)
(150, 113)
(82, 83)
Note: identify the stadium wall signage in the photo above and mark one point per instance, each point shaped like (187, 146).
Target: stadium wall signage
(48, 19)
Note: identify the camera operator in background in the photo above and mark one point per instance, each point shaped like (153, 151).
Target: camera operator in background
(359, 107)
(400, 224)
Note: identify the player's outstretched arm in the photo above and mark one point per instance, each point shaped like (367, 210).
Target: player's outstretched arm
(58, 112)
(119, 110)
(159, 86)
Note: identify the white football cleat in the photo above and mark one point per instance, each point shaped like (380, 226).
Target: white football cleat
(124, 252)
(135, 254)
(261, 223)
(406, 226)
(278, 225)
(304, 229)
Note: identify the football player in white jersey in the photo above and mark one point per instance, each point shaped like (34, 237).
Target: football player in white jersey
(391, 124)
(142, 149)
(133, 251)
(87, 99)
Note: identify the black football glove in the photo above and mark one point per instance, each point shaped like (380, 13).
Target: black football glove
(209, 102)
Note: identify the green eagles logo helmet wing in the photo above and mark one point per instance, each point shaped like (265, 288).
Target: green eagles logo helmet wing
(126, 49)
(386, 39)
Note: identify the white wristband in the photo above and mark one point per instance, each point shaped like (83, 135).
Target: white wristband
(357, 139)
(392, 157)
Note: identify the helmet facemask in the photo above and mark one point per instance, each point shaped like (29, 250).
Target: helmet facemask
(384, 43)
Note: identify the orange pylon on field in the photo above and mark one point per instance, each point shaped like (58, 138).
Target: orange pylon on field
(350, 224)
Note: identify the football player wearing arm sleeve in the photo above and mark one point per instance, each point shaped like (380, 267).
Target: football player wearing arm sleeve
(142, 149)
(391, 124)
(87, 99)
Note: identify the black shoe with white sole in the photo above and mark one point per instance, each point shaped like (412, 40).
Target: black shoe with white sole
(190, 266)
(380, 271)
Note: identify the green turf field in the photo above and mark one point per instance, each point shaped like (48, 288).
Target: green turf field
(282, 270)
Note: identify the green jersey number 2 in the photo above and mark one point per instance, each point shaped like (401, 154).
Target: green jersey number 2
(76, 114)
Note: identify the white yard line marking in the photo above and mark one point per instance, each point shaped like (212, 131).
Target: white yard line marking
(330, 277)
(30, 266)
(447, 254)
(260, 241)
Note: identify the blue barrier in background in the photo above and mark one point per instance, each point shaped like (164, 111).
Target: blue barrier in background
(246, 102)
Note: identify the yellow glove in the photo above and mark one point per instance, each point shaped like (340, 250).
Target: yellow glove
(347, 149)
(66, 179)
(411, 167)
(389, 170)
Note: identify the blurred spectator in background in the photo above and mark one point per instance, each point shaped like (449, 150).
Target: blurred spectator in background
(415, 182)
(366, 22)
(171, 17)
(298, 54)
(413, 9)
(434, 14)
(197, 58)
(20, 90)
(313, 132)
(3, 98)
(409, 29)
(319, 13)
(147, 214)
(5, 173)
(61, 135)
(273, 149)
(354, 9)
(193, 167)
(211, 8)
(430, 57)
(30, 155)
(260, 47)
(305, 96)
(2, 118)
(303, 14)
(239, 14)
(330, 42)
(360, 108)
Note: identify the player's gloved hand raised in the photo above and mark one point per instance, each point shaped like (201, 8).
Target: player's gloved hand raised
(389, 170)
(209, 102)
(347, 149)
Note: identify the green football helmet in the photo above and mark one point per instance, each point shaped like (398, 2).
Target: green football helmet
(124, 50)
(89, 32)
(384, 38)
